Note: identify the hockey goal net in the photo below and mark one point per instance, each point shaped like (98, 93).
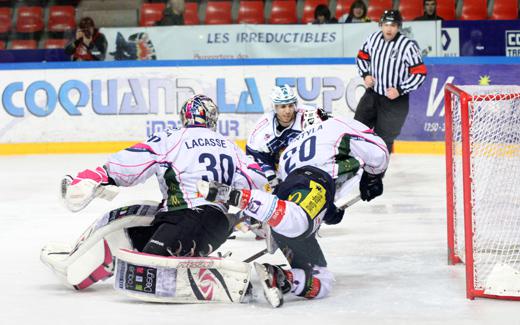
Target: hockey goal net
(483, 187)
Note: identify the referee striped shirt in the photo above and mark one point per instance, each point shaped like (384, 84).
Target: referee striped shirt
(392, 64)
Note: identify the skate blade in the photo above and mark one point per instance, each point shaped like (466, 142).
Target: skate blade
(273, 295)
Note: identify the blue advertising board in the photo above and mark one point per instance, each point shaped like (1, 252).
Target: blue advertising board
(487, 37)
(41, 55)
(425, 120)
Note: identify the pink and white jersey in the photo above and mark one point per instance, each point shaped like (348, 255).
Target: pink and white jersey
(336, 146)
(181, 157)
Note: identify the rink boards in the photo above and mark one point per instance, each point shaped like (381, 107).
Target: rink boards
(105, 106)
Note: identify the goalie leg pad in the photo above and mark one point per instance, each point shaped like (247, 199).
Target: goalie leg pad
(91, 259)
(157, 278)
(102, 272)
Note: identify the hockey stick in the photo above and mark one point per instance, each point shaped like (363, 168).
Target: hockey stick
(255, 256)
(265, 250)
(350, 202)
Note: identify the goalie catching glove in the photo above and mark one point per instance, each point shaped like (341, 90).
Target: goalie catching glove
(79, 191)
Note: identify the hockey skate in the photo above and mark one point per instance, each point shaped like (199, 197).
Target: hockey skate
(274, 283)
(217, 192)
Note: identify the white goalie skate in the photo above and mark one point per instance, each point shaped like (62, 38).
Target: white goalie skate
(274, 283)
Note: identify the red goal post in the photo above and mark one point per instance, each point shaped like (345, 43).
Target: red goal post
(483, 187)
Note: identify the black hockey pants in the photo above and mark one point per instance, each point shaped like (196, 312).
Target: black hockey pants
(188, 232)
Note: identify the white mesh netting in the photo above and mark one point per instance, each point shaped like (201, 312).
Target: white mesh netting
(494, 115)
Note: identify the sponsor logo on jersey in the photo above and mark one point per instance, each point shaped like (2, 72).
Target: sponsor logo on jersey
(278, 214)
(254, 206)
(314, 202)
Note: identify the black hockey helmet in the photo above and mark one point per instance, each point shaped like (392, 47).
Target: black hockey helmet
(391, 16)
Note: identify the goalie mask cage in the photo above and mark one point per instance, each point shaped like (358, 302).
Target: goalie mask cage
(483, 187)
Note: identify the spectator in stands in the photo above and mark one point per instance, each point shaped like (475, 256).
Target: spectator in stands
(89, 44)
(430, 11)
(173, 14)
(322, 15)
(357, 13)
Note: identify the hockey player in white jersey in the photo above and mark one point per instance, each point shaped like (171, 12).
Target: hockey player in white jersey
(274, 131)
(323, 159)
(185, 224)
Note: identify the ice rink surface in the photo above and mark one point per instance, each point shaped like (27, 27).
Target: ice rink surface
(388, 257)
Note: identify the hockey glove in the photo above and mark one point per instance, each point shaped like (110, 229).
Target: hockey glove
(272, 180)
(333, 216)
(370, 186)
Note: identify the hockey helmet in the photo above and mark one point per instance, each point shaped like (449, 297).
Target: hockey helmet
(199, 111)
(391, 16)
(313, 117)
(283, 95)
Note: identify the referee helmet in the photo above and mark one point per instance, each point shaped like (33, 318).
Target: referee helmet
(391, 16)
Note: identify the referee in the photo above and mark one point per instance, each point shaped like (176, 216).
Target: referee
(391, 67)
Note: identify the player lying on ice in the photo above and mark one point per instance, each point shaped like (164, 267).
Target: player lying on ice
(322, 164)
(165, 246)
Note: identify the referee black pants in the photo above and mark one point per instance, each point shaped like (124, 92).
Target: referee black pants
(385, 116)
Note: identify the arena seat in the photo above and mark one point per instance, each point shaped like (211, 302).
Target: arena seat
(446, 9)
(54, 43)
(411, 9)
(474, 10)
(29, 25)
(61, 19)
(56, 11)
(29, 22)
(61, 24)
(151, 13)
(308, 9)
(218, 13)
(251, 12)
(283, 12)
(23, 45)
(30, 11)
(376, 8)
(5, 27)
(505, 10)
(6, 12)
(343, 7)
(191, 13)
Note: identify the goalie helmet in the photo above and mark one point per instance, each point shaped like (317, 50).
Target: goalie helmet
(283, 96)
(313, 117)
(199, 111)
(391, 16)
